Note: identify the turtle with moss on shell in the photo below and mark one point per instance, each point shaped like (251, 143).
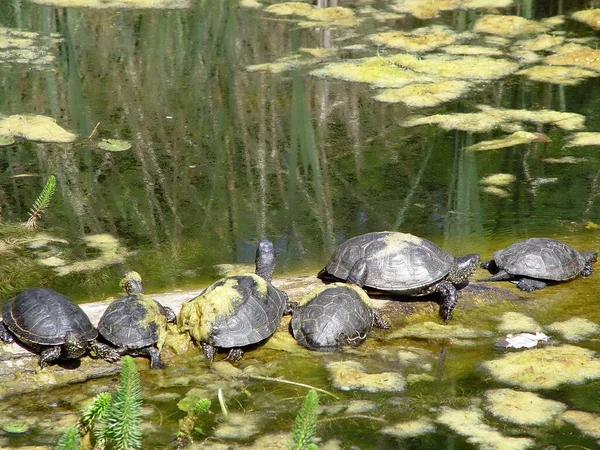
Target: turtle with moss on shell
(403, 264)
(136, 324)
(50, 324)
(336, 315)
(236, 311)
(533, 263)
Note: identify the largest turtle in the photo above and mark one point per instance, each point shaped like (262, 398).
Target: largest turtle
(403, 264)
(51, 325)
(236, 311)
(136, 324)
(533, 263)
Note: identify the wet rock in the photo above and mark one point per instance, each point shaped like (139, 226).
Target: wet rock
(521, 408)
(351, 375)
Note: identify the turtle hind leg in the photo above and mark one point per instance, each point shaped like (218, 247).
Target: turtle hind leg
(5, 335)
(209, 351)
(448, 301)
(235, 354)
(105, 352)
(379, 321)
(530, 284)
(49, 354)
(154, 355)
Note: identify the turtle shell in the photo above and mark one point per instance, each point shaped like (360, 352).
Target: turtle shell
(43, 316)
(543, 258)
(331, 316)
(234, 312)
(134, 321)
(396, 262)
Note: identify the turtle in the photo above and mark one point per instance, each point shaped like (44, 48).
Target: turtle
(337, 314)
(135, 324)
(236, 311)
(403, 264)
(51, 325)
(533, 263)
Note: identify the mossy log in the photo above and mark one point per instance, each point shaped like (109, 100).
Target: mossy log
(20, 372)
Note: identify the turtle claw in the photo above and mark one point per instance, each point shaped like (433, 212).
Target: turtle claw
(235, 354)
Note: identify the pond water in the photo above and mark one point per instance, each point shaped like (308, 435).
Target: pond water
(227, 149)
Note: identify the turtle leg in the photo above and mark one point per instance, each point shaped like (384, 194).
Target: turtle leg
(154, 355)
(448, 302)
(49, 354)
(105, 352)
(5, 334)
(209, 351)
(235, 354)
(501, 275)
(379, 321)
(167, 312)
(530, 285)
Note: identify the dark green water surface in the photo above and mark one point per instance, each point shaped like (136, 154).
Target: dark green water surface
(222, 156)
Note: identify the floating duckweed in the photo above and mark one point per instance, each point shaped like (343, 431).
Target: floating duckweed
(428, 9)
(575, 329)
(6, 140)
(470, 423)
(540, 43)
(35, 128)
(590, 17)
(517, 138)
(466, 67)
(521, 408)
(117, 4)
(514, 322)
(583, 139)
(433, 330)
(333, 16)
(422, 95)
(376, 71)
(545, 368)
(410, 428)
(472, 50)
(575, 55)
(420, 40)
(508, 25)
(351, 375)
(498, 179)
(498, 192)
(568, 76)
(587, 423)
(114, 145)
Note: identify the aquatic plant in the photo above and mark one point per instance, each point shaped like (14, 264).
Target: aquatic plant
(195, 407)
(94, 412)
(41, 204)
(69, 440)
(305, 426)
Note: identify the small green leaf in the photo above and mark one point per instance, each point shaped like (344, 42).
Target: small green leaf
(6, 140)
(15, 428)
(187, 404)
(198, 430)
(114, 145)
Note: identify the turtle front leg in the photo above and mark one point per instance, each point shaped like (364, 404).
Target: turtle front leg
(209, 351)
(105, 352)
(5, 335)
(154, 355)
(530, 285)
(449, 299)
(379, 321)
(235, 354)
(49, 354)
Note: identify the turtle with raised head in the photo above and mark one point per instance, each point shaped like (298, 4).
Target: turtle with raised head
(533, 263)
(403, 264)
(136, 324)
(51, 325)
(236, 311)
(337, 314)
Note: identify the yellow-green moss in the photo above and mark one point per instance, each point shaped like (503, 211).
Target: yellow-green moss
(35, 128)
(410, 428)
(509, 26)
(545, 368)
(590, 17)
(514, 322)
(575, 329)
(433, 330)
(470, 423)
(568, 76)
(420, 40)
(424, 95)
(351, 376)
(498, 179)
(320, 289)
(587, 423)
(583, 139)
(521, 408)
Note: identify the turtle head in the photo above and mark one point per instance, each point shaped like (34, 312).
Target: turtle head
(590, 257)
(75, 345)
(463, 268)
(358, 273)
(132, 283)
(265, 259)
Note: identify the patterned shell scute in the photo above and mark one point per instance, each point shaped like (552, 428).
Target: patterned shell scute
(133, 322)
(331, 315)
(543, 258)
(255, 317)
(43, 316)
(396, 261)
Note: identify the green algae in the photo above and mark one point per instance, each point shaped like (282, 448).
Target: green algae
(420, 95)
(352, 376)
(583, 139)
(508, 26)
(515, 322)
(567, 76)
(427, 9)
(498, 179)
(521, 408)
(410, 428)
(35, 128)
(420, 40)
(517, 138)
(114, 145)
(575, 329)
(433, 330)
(587, 423)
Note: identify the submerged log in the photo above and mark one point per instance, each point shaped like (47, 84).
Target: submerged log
(20, 372)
